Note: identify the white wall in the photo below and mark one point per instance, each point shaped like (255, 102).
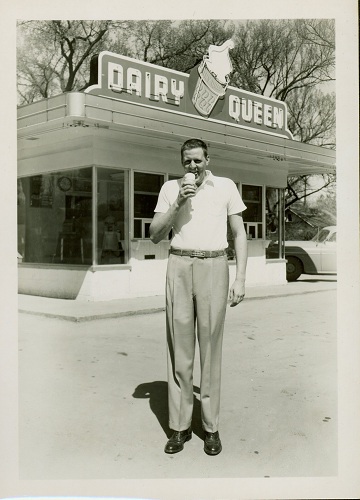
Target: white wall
(145, 278)
(75, 147)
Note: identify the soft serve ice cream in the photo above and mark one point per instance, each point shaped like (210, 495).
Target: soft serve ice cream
(213, 79)
(190, 177)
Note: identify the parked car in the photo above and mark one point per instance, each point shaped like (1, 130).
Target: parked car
(317, 256)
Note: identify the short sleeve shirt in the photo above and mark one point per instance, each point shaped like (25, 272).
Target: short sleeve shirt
(201, 223)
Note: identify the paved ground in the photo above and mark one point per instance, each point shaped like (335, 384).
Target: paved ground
(92, 394)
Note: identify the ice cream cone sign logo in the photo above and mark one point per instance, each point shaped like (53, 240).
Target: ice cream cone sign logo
(213, 79)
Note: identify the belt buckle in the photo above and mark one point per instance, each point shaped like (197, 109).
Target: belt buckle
(198, 253)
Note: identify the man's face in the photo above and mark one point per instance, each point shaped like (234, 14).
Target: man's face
(194, 161)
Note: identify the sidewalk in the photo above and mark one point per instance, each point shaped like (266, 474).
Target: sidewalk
(73, 310)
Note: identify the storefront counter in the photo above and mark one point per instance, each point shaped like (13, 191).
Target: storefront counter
(143, 276)
(90, 170)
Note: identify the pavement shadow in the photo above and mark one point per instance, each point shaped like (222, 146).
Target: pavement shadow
(318, 280)
(157, 393)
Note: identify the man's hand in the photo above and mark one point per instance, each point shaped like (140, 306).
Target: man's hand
(237, 292)
(187, 190)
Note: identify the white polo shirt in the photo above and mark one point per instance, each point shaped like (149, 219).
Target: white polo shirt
(201, 223)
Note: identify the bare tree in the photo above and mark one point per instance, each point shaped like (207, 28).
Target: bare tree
(286, 59)
(53, 56)
(178, 45)
(274, 57)
(290, 60)
(312, 116)
(300, 187)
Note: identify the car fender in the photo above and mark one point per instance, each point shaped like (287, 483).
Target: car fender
(301, 254)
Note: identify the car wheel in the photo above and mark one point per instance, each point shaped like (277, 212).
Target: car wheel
(294, 268)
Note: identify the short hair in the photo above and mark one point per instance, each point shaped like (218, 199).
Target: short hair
(194, 143)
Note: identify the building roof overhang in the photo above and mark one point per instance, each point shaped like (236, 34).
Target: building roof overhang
(146, 124)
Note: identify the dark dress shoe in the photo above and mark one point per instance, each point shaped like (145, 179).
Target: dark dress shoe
(177, 440)
(212, 443)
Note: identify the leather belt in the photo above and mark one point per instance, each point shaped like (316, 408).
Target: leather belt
(201, 254)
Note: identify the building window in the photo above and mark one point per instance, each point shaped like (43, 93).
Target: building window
(146, 191)
(55, 218)
(252, 216)
(112, 216)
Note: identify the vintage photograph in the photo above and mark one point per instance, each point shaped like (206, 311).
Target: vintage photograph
(111, 114)
(177, 257)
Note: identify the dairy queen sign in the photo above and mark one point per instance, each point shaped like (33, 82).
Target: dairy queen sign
(204, 93)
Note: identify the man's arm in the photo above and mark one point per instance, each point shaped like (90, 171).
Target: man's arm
(162, 223)
(237, 290)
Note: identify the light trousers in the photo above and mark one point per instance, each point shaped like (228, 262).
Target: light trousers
(196, 298)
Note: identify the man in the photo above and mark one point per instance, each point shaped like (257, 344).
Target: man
(197, 287)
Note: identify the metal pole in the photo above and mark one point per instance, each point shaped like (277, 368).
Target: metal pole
(94, 216)
(281, 223)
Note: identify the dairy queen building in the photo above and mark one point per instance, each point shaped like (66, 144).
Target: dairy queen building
(91, 165)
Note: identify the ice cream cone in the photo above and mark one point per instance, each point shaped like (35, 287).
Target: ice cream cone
(213, 78)
(207, 91)
(190, 177)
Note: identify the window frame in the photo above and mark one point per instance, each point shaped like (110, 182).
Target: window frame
(281, 222)
(251, 224)
(144, 220)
